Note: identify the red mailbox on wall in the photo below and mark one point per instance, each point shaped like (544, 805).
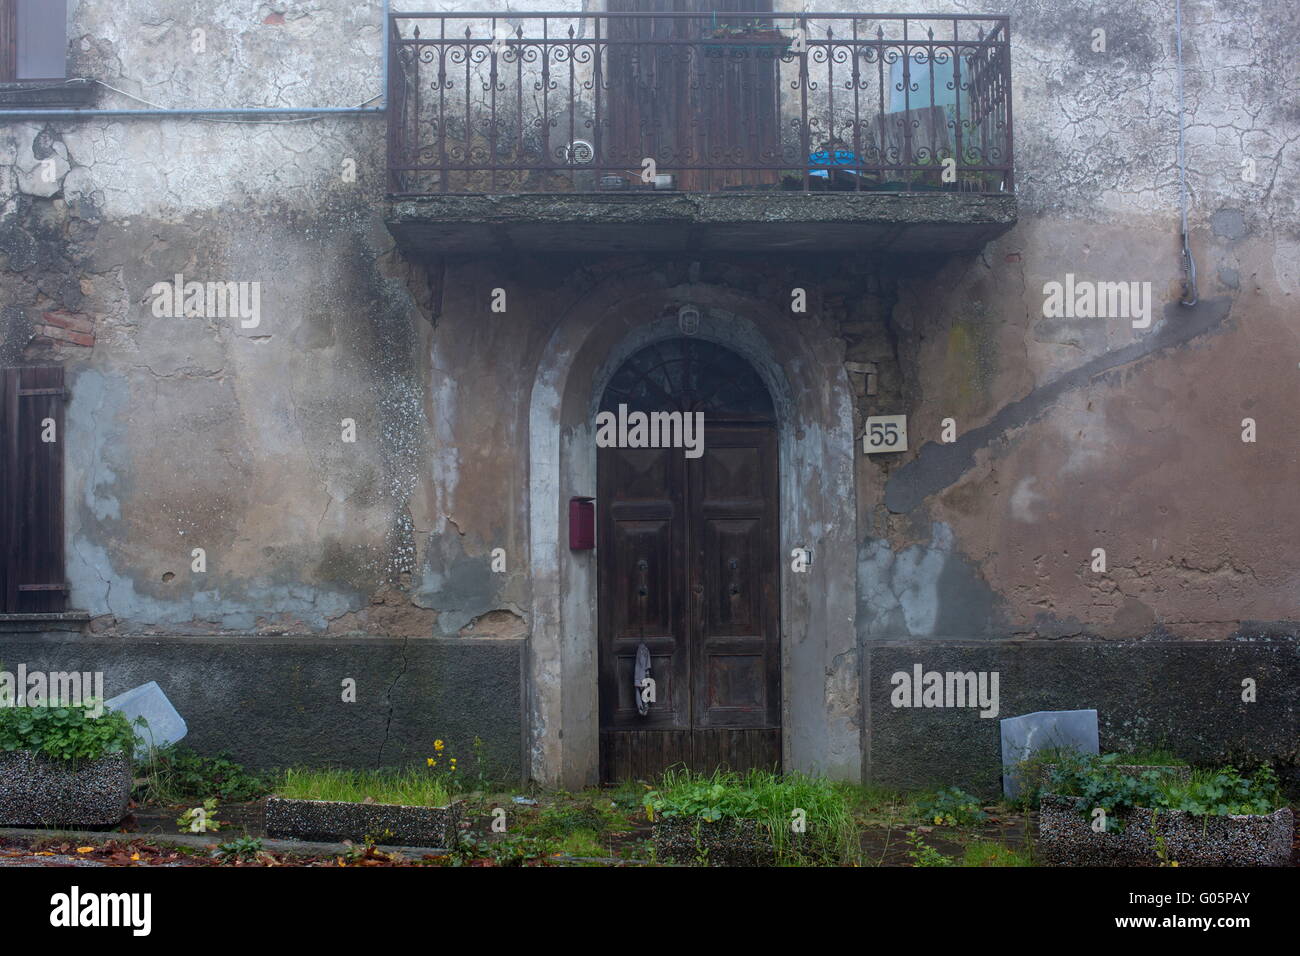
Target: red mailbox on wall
(582, 524)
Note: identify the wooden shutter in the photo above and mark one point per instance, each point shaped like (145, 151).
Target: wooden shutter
(689, 110)
(42, 39)
(736, 106)
(8, 40)
(643, 92)
(32, 471)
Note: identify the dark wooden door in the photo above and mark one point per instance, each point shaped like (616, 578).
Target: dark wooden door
(688, 565)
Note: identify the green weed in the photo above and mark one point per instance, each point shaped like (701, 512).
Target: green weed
(177, 774)
(66, 732)
(782, 804)
(411, 788)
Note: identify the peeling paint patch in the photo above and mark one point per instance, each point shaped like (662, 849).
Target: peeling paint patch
(925, 590)
(95, 403)
(1229, 224)
(940, 465)
(496, 624)
(1024, 499)
(100, 590)
(460, 586)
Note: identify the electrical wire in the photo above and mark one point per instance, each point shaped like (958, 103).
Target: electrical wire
(209, 119)
(1190, 297)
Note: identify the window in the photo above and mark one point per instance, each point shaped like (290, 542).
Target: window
(33, 40)
(34, 57)
(31, 491)
(930, 75)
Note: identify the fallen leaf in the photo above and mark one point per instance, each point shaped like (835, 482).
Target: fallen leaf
(85, 849)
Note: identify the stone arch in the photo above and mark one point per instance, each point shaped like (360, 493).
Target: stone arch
(802, 365)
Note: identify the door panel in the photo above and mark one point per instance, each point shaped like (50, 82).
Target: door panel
(733, 506)
(641, 579)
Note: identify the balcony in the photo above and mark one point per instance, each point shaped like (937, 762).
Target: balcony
(665, 132)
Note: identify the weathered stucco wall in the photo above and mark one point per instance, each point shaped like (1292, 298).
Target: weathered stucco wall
(1075, 434)
(198, 432)
(1070, 434)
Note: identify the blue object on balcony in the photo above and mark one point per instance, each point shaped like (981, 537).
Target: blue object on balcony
(832, 157)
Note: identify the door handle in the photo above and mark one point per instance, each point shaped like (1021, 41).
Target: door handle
(643, 684)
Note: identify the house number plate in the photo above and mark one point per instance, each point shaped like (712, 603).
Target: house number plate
(885, 433)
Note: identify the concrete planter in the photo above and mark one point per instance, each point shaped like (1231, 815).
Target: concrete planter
(384, 823)
(36, 790)
(726, 842)
(1066, 838)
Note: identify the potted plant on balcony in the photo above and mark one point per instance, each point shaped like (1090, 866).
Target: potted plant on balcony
(739, 40)
(64, 765)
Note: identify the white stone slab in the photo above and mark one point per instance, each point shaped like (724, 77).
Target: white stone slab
(1027, 734)
(163, 724)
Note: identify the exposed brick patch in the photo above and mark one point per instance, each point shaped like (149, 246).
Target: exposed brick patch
(59, 330)
(71, 321)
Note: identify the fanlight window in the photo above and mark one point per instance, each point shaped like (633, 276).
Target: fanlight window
(690, 375)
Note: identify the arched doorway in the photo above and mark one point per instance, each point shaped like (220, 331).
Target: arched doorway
(688, 567)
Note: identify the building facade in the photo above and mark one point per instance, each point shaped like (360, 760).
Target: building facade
(325, 310)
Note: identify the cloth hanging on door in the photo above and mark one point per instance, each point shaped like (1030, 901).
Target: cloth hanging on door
(639, 674)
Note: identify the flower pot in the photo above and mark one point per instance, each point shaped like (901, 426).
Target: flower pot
(36, 790)
(768, 43)
(1066, 837)
(725, 842)
(383, 823)
(753, 36)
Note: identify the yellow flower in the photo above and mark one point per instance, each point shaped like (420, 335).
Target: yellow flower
(438, 745)
(430, 761)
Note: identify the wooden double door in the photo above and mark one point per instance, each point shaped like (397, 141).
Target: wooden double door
(688, 551)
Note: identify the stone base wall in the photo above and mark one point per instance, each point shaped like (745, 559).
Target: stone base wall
(1183, 696)
(279, 701)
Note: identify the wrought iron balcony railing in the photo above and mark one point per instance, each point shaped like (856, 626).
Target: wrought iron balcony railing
(562, 102)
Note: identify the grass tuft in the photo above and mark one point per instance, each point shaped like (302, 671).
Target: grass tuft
(409, 788)
(830, 833)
